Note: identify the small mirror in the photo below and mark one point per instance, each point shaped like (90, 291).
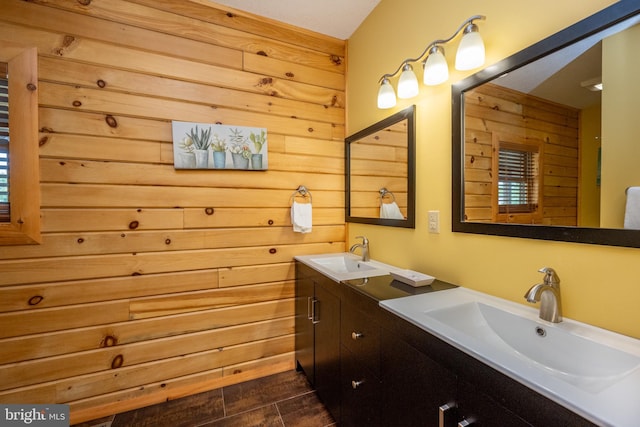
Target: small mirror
(380, 172)
(544, 142)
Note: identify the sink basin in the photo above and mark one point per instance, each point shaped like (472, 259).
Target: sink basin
(342, 264)
(591, 371)
(345, 266)
(570, 357)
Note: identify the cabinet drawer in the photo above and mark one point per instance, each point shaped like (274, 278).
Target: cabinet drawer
(360, 333)
(360, 390)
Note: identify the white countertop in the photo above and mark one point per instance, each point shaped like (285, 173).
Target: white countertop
(614, 403)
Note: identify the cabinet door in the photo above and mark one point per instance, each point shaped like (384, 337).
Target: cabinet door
(473, 405)
(304, 327)
(414, 386)
(327, 349)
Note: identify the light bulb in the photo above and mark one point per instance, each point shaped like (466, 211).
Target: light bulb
(436, 70)
(386, 95)
(407, 83)
(470, 53)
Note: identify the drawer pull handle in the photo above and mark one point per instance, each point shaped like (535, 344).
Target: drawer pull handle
(356, 335)
(355, 384)
(467, 422)
(448, 414)
(314, 311)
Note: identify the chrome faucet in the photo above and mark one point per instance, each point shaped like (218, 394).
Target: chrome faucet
(548, 294)
(364, 246)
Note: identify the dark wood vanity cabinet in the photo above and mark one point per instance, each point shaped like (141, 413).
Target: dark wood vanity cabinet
(360, 377)
(372, 368)
(317, 338)
(414, 385)
(439, 385)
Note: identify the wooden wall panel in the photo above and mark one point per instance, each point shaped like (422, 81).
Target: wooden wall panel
(152, 283)
(43, 345)
(491, 110)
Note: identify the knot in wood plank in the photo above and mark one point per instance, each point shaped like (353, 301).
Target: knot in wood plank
(109, 341)
(117, 362)
(111, 121)
(35, 300)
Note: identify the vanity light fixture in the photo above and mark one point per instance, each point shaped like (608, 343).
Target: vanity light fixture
(436, 70)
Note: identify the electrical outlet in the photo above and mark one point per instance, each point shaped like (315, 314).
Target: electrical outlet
(434, 221)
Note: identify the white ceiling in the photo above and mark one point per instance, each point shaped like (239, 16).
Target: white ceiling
(336, 18)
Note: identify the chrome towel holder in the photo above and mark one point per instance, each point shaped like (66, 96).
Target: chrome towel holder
(384, 193)
(301, 191)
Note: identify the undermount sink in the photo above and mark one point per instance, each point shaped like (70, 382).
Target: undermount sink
(572, 358)
(592, 371)
(345, 266)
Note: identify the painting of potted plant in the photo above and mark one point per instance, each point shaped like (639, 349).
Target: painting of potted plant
(258, 141)
(201, 141)
(205, 146)
(185, 158)
(219, 148)
(240, 153)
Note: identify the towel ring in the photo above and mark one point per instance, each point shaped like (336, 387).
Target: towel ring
(384, 193)
(303, 192)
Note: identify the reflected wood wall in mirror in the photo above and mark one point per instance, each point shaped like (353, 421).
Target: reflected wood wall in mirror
(380, 172)
(544, 142)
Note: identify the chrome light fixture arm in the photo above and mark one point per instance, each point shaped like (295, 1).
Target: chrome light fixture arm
(434, 43)
(386, 90)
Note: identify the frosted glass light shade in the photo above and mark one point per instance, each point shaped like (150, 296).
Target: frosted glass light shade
(386, 95)
(436, 69)
(470, 53)
(407, 83)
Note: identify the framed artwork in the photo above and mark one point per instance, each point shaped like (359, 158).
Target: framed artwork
(215, 146)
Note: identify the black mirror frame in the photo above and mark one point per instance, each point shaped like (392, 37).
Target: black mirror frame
(408, 114)
(607, 17)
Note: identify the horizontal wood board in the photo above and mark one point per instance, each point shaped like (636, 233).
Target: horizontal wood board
(153, 283)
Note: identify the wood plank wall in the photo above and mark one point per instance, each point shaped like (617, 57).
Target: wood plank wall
(492, 109)
(153, 283)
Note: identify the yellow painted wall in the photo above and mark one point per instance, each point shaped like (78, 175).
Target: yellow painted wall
(589, 190)
(620, 125)
(599, 283)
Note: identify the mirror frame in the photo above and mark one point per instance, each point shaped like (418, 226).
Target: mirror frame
(597, 22)
(408, 114)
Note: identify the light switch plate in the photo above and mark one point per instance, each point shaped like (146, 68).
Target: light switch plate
(434, 221)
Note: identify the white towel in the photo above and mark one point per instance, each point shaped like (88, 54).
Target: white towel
(632, 212)
(301, 217)
(390, 211)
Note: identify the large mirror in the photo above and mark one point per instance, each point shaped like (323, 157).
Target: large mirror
(545, 143)
(380, 172)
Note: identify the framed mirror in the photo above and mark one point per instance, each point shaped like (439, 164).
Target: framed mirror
(545, 143)
(380, 172)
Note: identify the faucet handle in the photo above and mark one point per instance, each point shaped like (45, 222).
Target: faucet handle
(365, 241)
(550, 276)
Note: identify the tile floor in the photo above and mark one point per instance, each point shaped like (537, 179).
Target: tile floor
(280, 400)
